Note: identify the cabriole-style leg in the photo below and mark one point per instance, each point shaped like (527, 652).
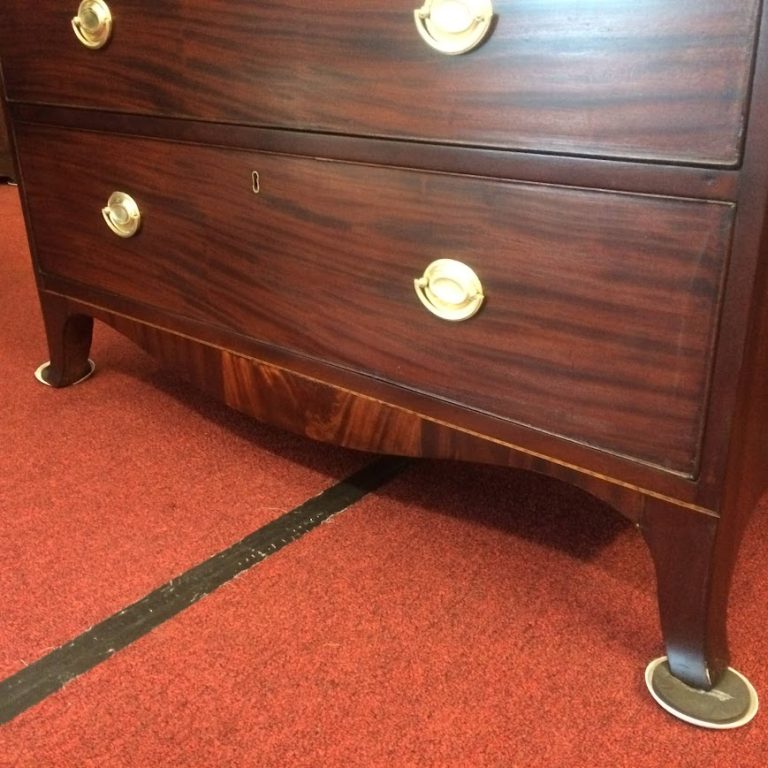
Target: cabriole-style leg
(693, 570)
(69, 337)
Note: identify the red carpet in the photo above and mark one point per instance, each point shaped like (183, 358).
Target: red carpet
(461, 616)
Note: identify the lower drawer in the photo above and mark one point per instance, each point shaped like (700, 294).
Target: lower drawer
(600, 308)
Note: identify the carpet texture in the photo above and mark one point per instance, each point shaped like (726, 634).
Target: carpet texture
(462, 617)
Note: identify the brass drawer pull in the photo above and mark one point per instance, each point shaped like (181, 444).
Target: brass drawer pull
(454, 26)
(122, 214)
(93, 23)
(450, 290)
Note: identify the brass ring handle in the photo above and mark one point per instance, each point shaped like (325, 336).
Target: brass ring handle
(122, 214)
(450, 290)
(93, 23)
(454, 26)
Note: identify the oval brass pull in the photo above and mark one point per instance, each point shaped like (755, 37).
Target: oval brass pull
(454, 26)
(93, 23)
(450, 290)
(122, 214)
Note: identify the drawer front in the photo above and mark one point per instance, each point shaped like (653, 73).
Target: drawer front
(618, 78)
(599, 309)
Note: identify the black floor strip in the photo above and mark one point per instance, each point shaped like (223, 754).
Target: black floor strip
(50, 673)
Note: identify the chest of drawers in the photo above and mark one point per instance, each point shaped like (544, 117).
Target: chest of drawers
(526, 233)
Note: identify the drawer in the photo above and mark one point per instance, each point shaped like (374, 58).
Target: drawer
(599, 313)
(645, 79)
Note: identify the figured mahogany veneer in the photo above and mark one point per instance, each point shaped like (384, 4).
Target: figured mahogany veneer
(601, 166)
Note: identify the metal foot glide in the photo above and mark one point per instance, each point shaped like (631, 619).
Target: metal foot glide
(42, 371)
(729, 704)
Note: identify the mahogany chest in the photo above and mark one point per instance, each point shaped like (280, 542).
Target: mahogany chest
(531, 233)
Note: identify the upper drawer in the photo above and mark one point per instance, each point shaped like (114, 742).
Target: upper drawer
(599, 311)
(644, 79)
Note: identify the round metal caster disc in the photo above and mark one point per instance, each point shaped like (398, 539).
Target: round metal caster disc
(730, 704)
(40, 373)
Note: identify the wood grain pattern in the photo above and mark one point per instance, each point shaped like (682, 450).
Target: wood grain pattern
(648, 79)
(600, 310)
